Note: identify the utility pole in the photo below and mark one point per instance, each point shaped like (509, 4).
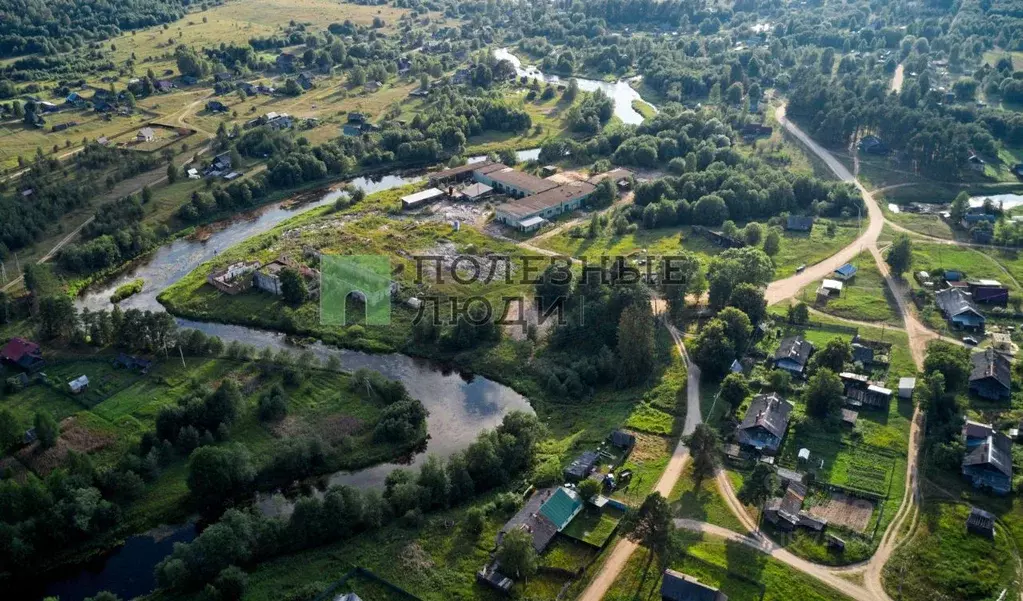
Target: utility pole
(182, 353)
(3, 272)
(17, 263)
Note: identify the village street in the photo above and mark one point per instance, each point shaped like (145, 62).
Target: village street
(780, 290)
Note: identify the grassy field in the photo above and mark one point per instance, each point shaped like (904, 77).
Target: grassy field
(863, 298)
(943, 561)
(644, 108)
(928, 225)
(18, 139)
(237, 22)
(796, 248)
(976, 264)
(738, 571)
(703, 503)
(594, 526)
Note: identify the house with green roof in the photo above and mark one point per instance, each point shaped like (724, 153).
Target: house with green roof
(561, 507)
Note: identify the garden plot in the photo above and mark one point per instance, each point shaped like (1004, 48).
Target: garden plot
(74, 436)
(843, 510)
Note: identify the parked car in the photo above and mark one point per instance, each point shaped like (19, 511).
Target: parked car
(801, 268)
(970, 340)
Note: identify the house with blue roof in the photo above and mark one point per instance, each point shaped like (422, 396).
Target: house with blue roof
(846, 272)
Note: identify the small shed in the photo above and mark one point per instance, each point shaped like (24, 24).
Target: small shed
(532, 223)
(804, 454)
(981, 522)
(582, 466)
(846, 272)
(78, 384)
(849, 417)
(830, 288)
(906, 387)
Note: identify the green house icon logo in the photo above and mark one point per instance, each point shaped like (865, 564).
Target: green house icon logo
(364, 277)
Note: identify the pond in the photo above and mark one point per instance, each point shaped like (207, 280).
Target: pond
(1007, 201)
(620, 91)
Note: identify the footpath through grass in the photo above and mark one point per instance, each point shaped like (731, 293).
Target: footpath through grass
(740, 572)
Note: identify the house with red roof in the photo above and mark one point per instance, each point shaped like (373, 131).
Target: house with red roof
(22, 353)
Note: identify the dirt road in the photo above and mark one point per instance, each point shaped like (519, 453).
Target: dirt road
(789, 287)
(624, 549)
(918, 335)
(898, 78)
(150, 179)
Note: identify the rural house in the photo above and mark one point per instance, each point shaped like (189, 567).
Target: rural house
(787, 513)
(958, 308)
(793, 354)
(766, 421)
(22, 353)
(146, 134)
(991, 377)
(988, 458)
(546, 513)
(872, 145)
(676, 586)
(862, 392)
(582, 466)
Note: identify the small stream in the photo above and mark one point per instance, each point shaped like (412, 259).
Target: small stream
(461, 405)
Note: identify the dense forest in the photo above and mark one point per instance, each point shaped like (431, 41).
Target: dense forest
(53, 26)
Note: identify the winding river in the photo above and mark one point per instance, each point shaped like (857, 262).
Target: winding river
(460, 405)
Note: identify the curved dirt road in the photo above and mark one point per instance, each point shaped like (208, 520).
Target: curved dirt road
(789, 287)
(624, 549)
(918, 336)
(764, 545)
(180, 118)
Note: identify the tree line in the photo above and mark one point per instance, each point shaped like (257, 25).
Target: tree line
(244, 538)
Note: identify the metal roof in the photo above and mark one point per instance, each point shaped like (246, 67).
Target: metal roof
(768, 411)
